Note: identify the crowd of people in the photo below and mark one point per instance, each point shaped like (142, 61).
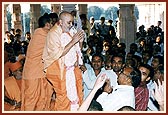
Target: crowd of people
(71, 63)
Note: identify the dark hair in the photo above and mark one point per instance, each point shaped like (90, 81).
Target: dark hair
(151, 70)
(110, 21)
(95, 106)
(126, 108)
(136, 77)
(133, 45)
(53, 15)
(120, 56)
(102, 18)
(138, 58)
(7, 32)
(43, 20)
(98, 55)
(161, 69)
(18, 30)
(27, 32)
(160, 58)
(141, 39)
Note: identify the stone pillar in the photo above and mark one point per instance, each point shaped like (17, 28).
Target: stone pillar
(5, 18)
(17, 16)
(68, 7)
(82, 8)
(127, 24)
(56, 8)
(34, 16)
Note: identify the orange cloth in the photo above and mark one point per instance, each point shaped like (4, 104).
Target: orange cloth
(11, 66)
(36, 91)
(6, 70)
(12, 85)
(55, 70)
(52, 50)
(33, 67)
(15, 66)
(36, 95)
(12, 88)
(62, 102)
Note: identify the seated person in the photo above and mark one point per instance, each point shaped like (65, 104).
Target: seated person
(12, 88)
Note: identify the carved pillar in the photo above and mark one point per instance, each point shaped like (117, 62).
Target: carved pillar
(82, 8)
(56, 8)
(34, 16)
(127, 24)
(5, 18)
(68, 7)
(17, 16)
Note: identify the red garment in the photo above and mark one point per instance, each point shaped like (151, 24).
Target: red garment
(141, 97)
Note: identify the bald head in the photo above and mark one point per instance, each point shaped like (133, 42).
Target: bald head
(64, 14)
(66, 21)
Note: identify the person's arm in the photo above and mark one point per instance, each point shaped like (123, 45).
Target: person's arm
(81, 41)
(159, 94)
(53, 49)
(98, 84)
(76, 38)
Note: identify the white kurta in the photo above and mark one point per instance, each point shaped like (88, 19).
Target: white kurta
(70, 59)
(89, 78)
(122, 95)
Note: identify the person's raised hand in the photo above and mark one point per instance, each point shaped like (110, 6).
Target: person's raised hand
(158, 93)
(79, 36)
(100, 81)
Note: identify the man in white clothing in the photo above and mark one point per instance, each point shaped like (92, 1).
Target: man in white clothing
(123, 94)
(92, 71)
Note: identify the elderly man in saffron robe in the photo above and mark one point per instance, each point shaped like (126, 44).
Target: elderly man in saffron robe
(61, 62)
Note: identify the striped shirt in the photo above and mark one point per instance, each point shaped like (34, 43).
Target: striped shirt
(141, 97)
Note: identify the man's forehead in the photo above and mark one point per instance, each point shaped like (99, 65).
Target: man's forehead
(96, 58)
(117, 59)
(128, 69)
(68, 18)
(65, 15)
